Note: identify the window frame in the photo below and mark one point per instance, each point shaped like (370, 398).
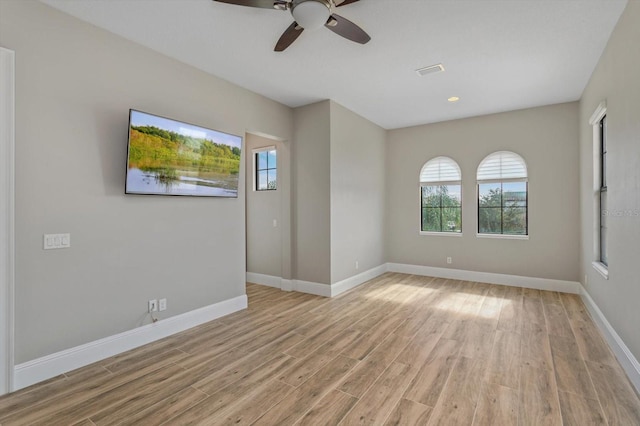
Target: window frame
(599, 183)
(256, 169)
(502, 235)
(602, 224)
(438, 184)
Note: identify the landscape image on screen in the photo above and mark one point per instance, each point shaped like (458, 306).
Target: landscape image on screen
(168, 157)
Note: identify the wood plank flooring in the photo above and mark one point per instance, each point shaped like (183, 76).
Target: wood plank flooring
(398, 350)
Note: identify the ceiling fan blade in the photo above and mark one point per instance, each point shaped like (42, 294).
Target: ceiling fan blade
(347, 29)
(265, 4)
(344, 2)
(289, 36)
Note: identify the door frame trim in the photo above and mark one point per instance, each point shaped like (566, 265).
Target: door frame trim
(7, 218)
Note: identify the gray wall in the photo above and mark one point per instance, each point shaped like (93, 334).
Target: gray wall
(357, 193)
(264, 241)
(311, 193)
(74, 86)
(615, 80)
(546, 137)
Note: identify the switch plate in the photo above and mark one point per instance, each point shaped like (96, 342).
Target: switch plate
(162, 304)
(56, 241)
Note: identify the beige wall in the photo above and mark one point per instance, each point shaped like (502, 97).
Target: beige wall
(74, 86)
(338, 185)
(616, 81)
(546, 137)
(357, 193)
(311, 193)
(264, 240)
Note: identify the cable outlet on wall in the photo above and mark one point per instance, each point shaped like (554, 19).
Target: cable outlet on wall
(449, 260)
(153, 305)
(162, 304)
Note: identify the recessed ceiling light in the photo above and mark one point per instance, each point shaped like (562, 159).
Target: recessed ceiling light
(430, 69)
(453, 99)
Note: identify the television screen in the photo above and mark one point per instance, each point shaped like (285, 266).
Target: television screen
(168, 157)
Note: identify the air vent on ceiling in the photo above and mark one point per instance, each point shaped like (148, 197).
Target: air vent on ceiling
(430, 69)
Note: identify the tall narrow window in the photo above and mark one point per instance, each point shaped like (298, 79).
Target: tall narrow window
(441, 197)
(266, 172)
(604, 258)
(503, 195)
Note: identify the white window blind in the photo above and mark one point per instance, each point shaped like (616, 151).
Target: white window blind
(502, 165)
(440, 169)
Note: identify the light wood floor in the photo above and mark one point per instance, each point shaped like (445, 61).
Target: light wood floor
(400, 349)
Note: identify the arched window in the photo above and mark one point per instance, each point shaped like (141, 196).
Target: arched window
(503, 194)
(440, 194)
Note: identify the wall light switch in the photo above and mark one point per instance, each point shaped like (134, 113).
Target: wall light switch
(56, 241)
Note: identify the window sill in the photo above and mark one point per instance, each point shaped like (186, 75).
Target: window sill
(503, 236)
(601, 268)
(442, 234)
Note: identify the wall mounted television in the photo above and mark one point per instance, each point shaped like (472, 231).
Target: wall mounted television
(169, 157)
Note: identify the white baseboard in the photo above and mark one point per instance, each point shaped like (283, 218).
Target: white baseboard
(356, 280)
(290, 285)
(286, 285)
(262, 279)
(429, 271)
(312, 288)
(487, 277)
(318, 289)
(629, 363)
(40, 369)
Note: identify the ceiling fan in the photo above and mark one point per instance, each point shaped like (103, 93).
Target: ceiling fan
(309, 15)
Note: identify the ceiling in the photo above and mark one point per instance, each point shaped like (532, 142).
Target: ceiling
(499, 55)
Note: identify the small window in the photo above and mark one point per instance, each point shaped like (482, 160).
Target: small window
(604, 256)
(503, 195)
(266, 173)
(441, 196)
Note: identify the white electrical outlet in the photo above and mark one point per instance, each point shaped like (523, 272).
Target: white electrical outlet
(449, 260)
(153, 305)
(162, 304)
(357, 264)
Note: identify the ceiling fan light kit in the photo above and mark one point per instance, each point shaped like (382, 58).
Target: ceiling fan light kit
(309, 15)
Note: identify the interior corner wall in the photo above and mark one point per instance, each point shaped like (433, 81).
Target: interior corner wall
(547, 139)
(74, 86)
(311, 193)
(615, 80)
(357, 193)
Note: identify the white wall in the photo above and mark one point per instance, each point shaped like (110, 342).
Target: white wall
(616, 81)
(546, 137)
(357, 193)
(75, 84)
(311, 193)
(264, 241)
